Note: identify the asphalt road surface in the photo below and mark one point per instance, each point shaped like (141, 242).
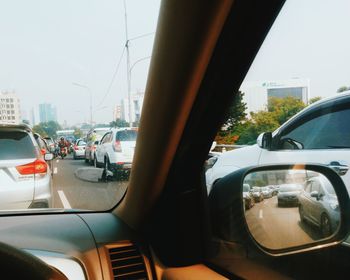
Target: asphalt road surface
(71, 192)
(279, 227)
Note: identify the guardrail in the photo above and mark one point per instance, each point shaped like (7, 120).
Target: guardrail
(223, 147)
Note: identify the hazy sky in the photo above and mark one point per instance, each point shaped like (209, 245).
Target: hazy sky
(47, 45)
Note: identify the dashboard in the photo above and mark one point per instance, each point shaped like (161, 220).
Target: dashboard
(81, 246)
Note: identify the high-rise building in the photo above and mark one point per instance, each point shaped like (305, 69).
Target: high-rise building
(10, 110)
(47, 113)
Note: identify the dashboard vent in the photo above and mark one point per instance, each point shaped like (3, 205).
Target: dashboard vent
(127, 262)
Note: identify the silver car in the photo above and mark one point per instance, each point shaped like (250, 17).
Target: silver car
(319, 205)
(25, 176)
(288, 194)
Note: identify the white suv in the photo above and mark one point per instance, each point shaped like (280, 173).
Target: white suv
(25, 176)
(318, 134)
(116, 151)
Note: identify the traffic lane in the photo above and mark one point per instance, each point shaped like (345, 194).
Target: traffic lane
(72, 192)
(279, 227)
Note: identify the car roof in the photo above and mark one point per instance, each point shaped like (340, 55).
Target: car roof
(23, 127)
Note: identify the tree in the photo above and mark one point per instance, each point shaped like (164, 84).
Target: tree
(314, 99)
(236, 112)
(78, 133)
(119, 123)
(343, 88)
(284, 108)
(47, 129)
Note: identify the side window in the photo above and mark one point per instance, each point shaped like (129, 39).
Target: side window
(315, 187)
(323, 132)
(105, 138)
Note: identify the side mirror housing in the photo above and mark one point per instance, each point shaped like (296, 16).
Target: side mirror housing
(48, 156)
(264, 140)
(251, 228)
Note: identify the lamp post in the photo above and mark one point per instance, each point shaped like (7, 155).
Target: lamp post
(89, 91)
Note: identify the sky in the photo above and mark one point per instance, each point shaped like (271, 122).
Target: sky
(48, 45)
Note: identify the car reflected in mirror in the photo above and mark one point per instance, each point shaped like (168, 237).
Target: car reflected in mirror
(305, 209)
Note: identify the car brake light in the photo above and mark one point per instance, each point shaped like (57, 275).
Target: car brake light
(76, 147)
(117, 146)
(43, 151)
(36, 167)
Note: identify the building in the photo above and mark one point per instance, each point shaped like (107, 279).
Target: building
(256, 94)
(136, 107)
(47, 113)
(10, 110)
(117, 113)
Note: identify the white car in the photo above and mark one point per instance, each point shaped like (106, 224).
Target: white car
(115, 151)
(25, 175)
(318, 134)
(79, 149)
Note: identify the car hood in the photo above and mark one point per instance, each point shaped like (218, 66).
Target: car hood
(241, 157)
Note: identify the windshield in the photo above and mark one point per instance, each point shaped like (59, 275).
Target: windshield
(73, 69)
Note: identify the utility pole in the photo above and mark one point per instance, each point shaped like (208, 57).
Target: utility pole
(128, 64)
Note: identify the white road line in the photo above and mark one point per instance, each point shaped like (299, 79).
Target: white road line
(261, 214)
(57, 160)
(64, 200)
(55, 170)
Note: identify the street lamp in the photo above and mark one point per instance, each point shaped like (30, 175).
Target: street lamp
(89, 90)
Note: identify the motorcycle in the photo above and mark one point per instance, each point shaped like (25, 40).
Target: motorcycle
(63, 152)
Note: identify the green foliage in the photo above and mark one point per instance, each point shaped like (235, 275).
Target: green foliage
(236, 112)
(47, 129)
(343, 88)
(246, 130)
(284, 108)
(315, 99)
(119, 123)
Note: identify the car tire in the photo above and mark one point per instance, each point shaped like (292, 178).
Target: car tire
(302, 214)
(326, 228)
(95, 162)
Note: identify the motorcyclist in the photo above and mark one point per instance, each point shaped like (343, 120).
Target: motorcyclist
(62, 144)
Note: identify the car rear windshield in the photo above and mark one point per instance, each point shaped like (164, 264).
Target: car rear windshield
(127, 135)
(290, 188)
(16, 145)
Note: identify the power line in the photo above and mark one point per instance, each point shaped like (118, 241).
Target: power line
(114, 75)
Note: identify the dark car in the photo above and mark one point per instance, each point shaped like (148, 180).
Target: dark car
(319, 205)
(288, 194)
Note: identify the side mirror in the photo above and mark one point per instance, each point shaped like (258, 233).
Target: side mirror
(48, 157)
(264, 140)
(97, 142)
(288, 211)
(316, 195)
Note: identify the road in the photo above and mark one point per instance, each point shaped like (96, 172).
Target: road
(279, 227)
(69, 191)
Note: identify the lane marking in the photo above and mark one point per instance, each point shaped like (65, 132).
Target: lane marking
(261, 214)
(64, 200)
(57, 160)
(55, 170)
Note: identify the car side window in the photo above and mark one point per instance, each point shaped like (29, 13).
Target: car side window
(323, 132)
(105, 139)
(315, 187)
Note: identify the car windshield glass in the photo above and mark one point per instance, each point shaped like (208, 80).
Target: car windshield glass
(16, 145)
(126, 135)
(73, 69)
(289, 188)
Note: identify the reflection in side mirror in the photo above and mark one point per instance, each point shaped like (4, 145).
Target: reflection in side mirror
(291, 217)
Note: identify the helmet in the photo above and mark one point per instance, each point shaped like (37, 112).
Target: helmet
(62, 138)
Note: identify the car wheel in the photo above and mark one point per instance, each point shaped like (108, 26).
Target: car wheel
(95, 162)
(326, 228)
(302, 214)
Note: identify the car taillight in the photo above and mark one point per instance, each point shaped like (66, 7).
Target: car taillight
(36, 167)
(117, 146)
(43, 151)
(76, 147)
